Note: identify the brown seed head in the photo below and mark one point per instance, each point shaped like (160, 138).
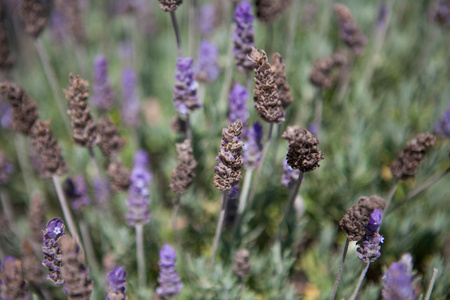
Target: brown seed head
(303, 152)
(326, 70)
(77, 286)
(184, 173)
(242, 264)
(228, 172)
(169, 5)
(35, 16)
(32, 268)
(267, 99)
(13, 286)
(43, 141)
(6, 60)
(409, 159)
(350, 32)
(36, 217)
(268, 11)
(84, 127)
(110, 142)
(357, 218)
(24, 109)
(119, 176)
(280, 80)
(73, 16)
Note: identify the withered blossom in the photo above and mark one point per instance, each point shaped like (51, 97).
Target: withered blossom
(281, 81)
(184, 173)
(110, 142)
(34, 14)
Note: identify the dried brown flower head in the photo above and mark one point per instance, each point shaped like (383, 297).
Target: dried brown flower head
(268, 11)
(280, 80)
(24, 109)
(35, 16)
(303, 152)
(73, 18)
(77, 286)
(355, 221)
(13, 286)
(242, 265)
(326, 70)
(119, 176)
(267, 99)
(228, 172)
(409, 159)
(169, 5)
(84, 127)
(350, 32)
(32, 268)
(36, 217)
(43, 141)
(183, 174)
(6, 60)
(110, 142)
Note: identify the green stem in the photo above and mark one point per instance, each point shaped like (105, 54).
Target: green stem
(391, 194)
(8, 210)
(140, 254)
(218, 230)
(431, 284)
(173, 17)
(361, 278)
(176, 206)
(341, 267)
(242, 204)
(90, 253)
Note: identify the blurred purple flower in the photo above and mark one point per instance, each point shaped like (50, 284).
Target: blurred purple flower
(117, 279)
(243, 36)
(5, 115)
(207, 19)
(138, 194)
(289, 176)
(313, 128)
(442, 127)
(369, 246)
(441, 12)
(52, 250)
(169, 281)
(103, 94)
(125, 50)
(130, 100)
(253, 146)
(101, 189)
(398, 281)
(238, 105)
(185, 90)
(207, 69)
(76, 192)
(382, 15)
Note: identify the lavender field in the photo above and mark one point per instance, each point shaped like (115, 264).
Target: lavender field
(227, 149)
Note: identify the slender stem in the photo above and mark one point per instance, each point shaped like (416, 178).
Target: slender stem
(218, 230)
(51, 77)
(431, 284)
(24, 161)
(341, 267)
(173, 17)
(420, 189)
(242, 204)
(90, 253)
(7, 208)
(391, 194)
(176, 206)
(241, 288)
(140, 254)
(288, 207)
(318, 111)
(361, 278)
(66, 210)
(261, 163)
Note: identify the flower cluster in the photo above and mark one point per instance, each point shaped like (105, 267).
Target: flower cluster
(350, 32)
(169, 5)
(76, 192)
(130, 100)
(238, 104)
(35, 16)
(207, 69)
(268, 11)
(169, 280)
(138, 194)
(207, 19)
(281, 81)
(369, 246)
(441, 12)
(110, 142)
(12, 283)
(326, 70)
(253, 146)
(103, 96)
(117, 279)
(185, 90)
(398, 281)
(184, 173)
(244, 36)
(242, 265)
(52, 249)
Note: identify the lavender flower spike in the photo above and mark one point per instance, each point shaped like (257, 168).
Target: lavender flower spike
(130, 99)
(138, 195)
(243, 36)
(207, 69)
(369, 246)
(185, 90)
(289, 176)
(207, 19)
(442, 127)
(169, 280)
(52, 249)
(238, 105)
(12, 283)
(103, 97)
(398, 281)
(253, 146)
(117, 284)
(76, 192)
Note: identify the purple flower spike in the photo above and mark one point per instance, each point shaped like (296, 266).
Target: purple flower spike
(398, 281)
(52, 250)
(130, 99)
(442, 127)
(253, 146)
(207, 19)
(117, 283)
(207, 69)
(5, 115)
(238, 104)
(139, 194)
(289, 176)
(185, 90)
(243, 36)
(75, 190)
(103, 96)
(369, 246)
(169, 280)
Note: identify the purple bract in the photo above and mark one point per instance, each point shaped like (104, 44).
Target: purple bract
(169, 280)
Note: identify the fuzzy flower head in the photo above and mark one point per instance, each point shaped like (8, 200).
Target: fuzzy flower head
(103, 97)
(207, 19)
(369, 246)
(442, 127)
(185, 90)
(349, 30)
(398, 281)
(289, 176)
(207, 69)
(12, 284)
(130, 100)
(169, 281)
(139, 195)
(75, 190)
(52, 250)
(243, 36)
(253, 146)
(238, 104)
(117, 279)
